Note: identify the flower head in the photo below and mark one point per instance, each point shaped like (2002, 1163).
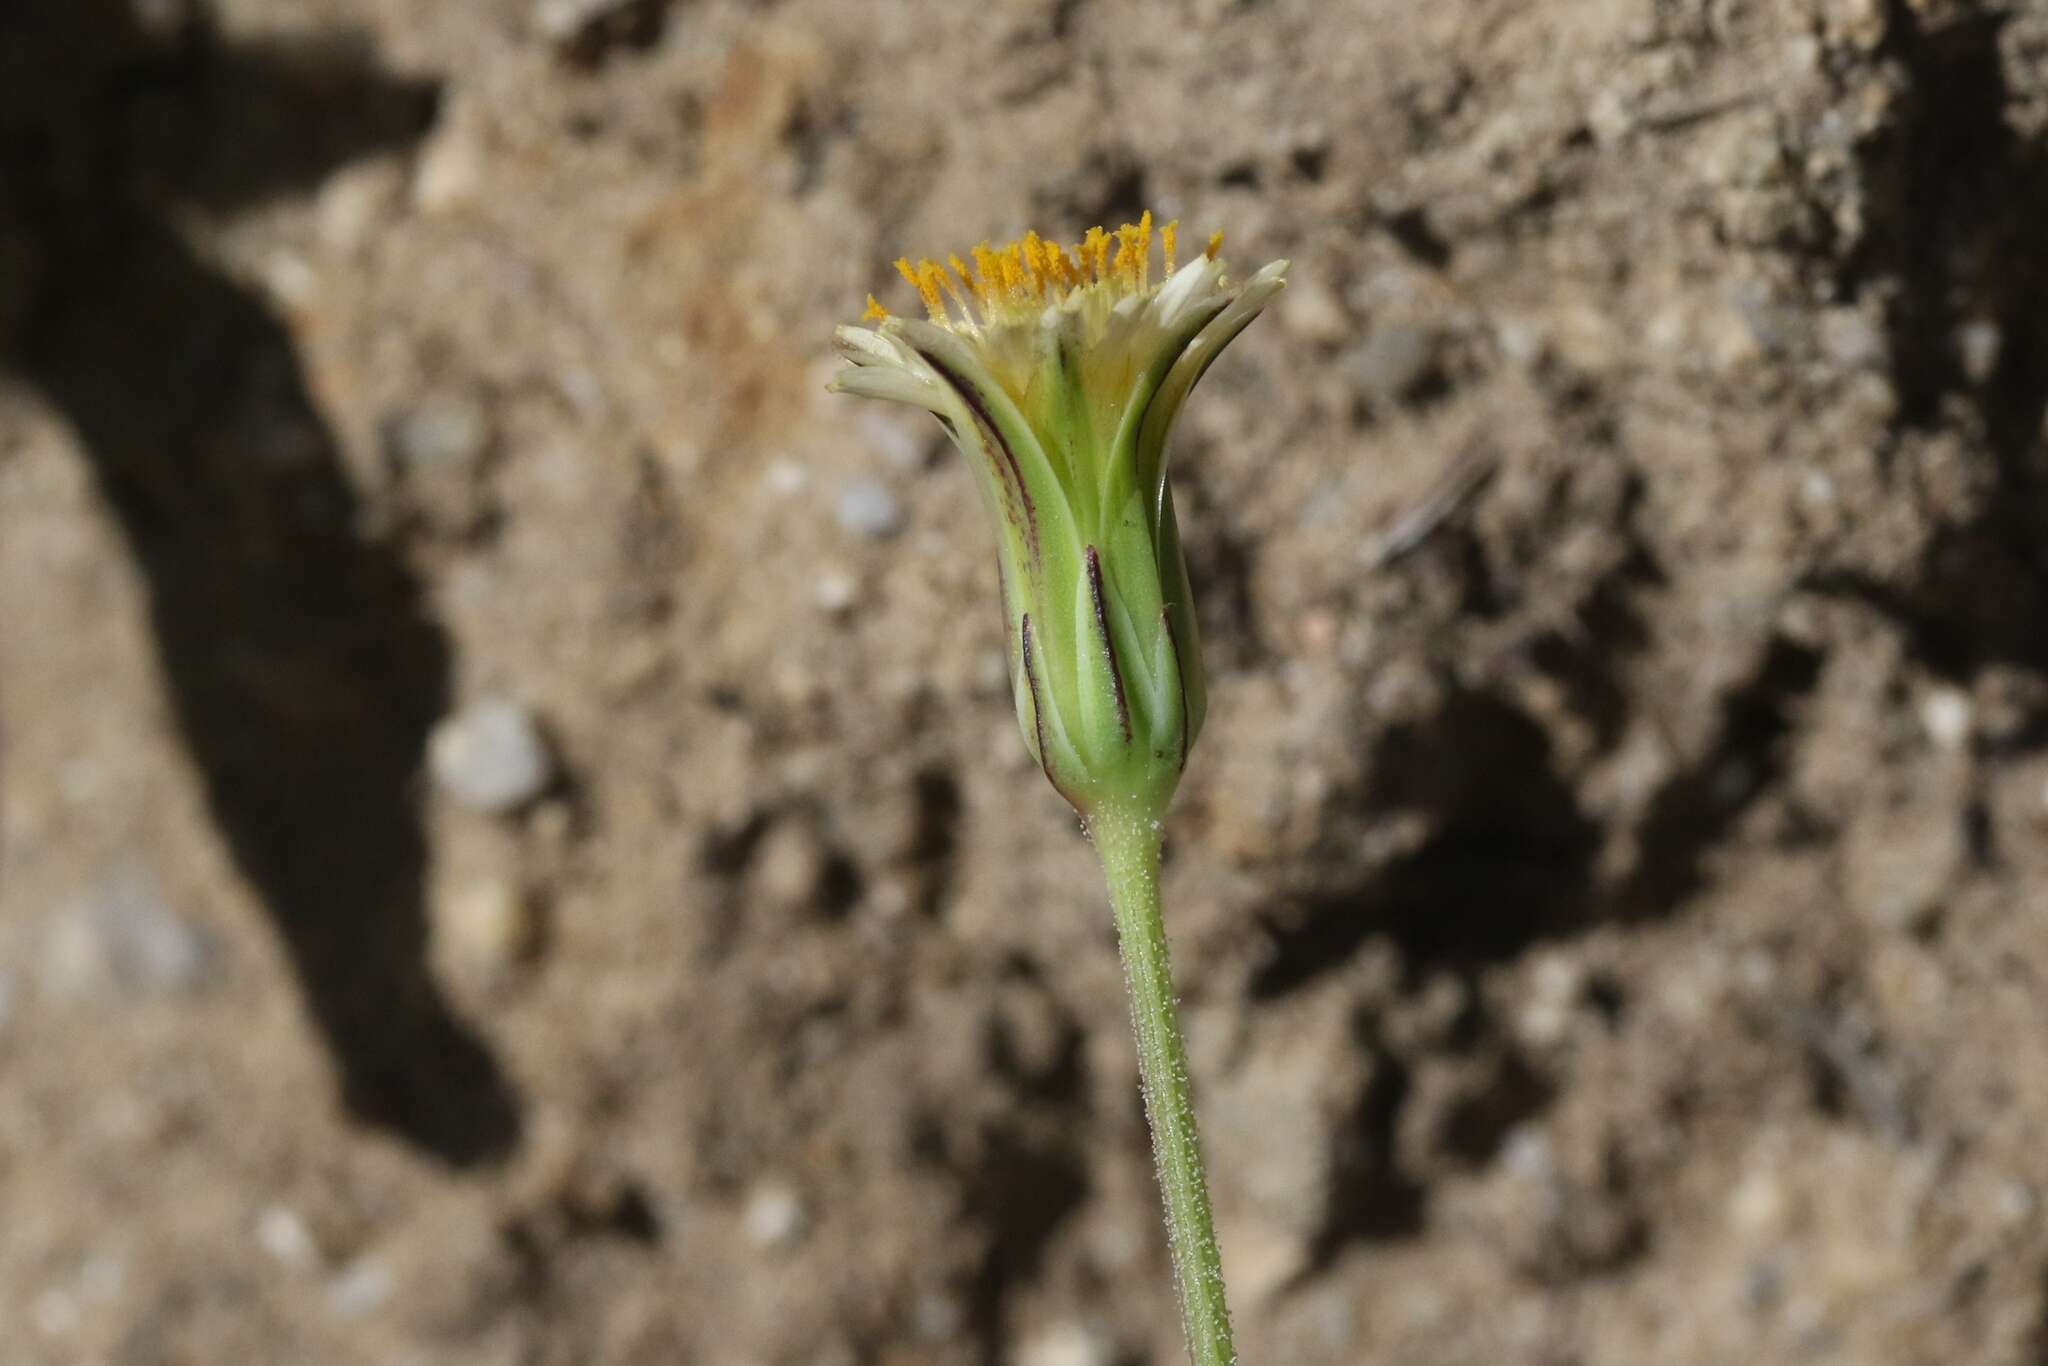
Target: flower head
(1058, 371)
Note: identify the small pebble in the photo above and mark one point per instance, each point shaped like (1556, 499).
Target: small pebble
(492, 924)
(1978, 346)
(359, 1290)
(450, 174)
(835, 591)
(490, 756)
(1264, 1261)
(1066, 1343)
(125, 938)
(789, 866)
(1527, 1155)
(1946, 714)
(1763, 1285)
(563, 20)
(289, 278)
(355, 203)
(446, 430)
(581, 30)
(1392, 364)
(55, 1313)
(867, 508)
(1758, 1207)
(1554, 990)
(1851, 340)
(1308, 309)
(784, 477)
(775, 1216)
(937, 1317)
(284, 1235)
(2015, 1203)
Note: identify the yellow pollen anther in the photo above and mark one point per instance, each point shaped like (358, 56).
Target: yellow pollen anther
(1063, 266)
(990, 274)
(921, 278)
(1034, 267)
(933, 270)
(966, 276)
(1095, 252)
(1010, 283)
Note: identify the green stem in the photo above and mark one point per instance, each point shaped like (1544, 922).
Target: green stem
(1128, 845)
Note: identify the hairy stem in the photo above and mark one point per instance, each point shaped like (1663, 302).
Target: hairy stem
(1128, 845)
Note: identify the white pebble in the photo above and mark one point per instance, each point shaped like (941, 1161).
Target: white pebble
(1978, 346)
(55, 1313)
(775, 1216)
(1066, 1343)
(444, 430)
(1757, 1206)
(784, 477)
(1851, 339)
(835, 591)
(1554, 989)
(284, 1235)
(289, 279)
(867, 508)
(1309, 309)
(562, 20)
(359, 1290)
(125, 937)
(490, 756)
(1527, 1154)
(355, 203)
(450, 173)
(1947, 713)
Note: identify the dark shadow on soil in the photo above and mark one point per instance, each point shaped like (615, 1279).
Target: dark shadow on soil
(1694, 811)
(1509, 863)
(1371, 1198)
(935, 851)
(1957, 240)
(1021, 1190)
(301, 662)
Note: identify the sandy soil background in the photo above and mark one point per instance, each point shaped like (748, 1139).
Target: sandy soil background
(513, 843)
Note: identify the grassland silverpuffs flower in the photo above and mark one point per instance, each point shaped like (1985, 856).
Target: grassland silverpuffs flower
(1058, 371)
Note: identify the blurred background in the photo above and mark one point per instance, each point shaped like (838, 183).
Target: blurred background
(514, 846)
